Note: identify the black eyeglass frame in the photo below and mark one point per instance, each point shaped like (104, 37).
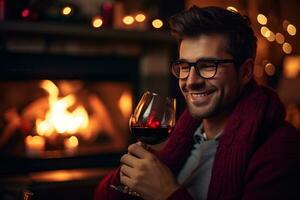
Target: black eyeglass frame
(216, 63)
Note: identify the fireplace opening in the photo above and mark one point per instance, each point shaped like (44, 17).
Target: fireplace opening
(50, 122)
(65, 117)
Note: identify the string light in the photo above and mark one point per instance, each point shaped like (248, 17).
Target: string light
(66, 10)
(157, 23)
(270, 69)
(140, 17)
(287, 48)
(264, 30)
(270, 36)
(128, 20)
(291, 29)
(279, 37)
(262, 19)
(97, 22)
(285, 24)
(291, 66)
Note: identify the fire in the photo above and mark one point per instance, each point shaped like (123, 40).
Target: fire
(71, 142)
(125, 104)
(58, 118)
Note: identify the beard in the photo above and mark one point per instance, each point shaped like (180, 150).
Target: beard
(218, 104)
(207, 110)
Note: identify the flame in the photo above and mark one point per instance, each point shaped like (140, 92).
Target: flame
(59, 119)
(125, 104)
(71, 142)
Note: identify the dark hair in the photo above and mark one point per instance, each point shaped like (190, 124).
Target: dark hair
(207, 20)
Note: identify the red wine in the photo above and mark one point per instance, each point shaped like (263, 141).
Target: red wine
(151, 135)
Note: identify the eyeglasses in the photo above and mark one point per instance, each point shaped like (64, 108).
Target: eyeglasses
(205, 68)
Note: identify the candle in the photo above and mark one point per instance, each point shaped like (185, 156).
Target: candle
(34, 144)
(71, 144)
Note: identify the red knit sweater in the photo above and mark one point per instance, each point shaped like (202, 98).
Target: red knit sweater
(258, 156)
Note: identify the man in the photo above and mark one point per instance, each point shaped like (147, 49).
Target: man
(232, 141)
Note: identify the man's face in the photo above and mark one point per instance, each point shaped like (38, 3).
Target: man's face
(208, 98)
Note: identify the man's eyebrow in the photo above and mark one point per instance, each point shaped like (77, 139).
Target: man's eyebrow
(182, 60)
(202, 58)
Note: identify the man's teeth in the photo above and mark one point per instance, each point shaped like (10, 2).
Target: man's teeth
(199, 94)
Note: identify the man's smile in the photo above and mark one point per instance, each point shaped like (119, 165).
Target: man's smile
(200, 96)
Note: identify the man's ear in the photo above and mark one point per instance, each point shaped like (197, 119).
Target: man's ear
(246, 71)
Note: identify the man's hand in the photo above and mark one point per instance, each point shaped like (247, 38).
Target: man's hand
(142, 172)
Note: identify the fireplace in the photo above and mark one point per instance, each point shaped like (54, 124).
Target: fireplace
(51, 74)
(64, 111)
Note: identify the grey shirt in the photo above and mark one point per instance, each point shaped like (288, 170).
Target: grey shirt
(196, 172)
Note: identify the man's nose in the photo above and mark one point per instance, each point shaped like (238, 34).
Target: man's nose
(194, 77)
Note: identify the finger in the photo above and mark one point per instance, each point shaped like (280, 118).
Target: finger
(145, 146)
(126, 171)
(138, 151)
(130, 160)
(129, 191)
(125, 180)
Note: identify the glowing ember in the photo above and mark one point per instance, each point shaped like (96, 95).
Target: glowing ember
(34, 144)
(71, 142)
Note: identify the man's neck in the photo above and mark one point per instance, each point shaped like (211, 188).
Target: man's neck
(214, 125)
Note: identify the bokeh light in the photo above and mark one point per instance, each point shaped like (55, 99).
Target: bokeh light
(279, 37)
(157, 23)
(262, 19)
(66, 10)
(128, 20)
(270, 69)
(287, 48)
(25, 13)
(270, 36)
(97, 22)
(291, 29)
(264, 30)
(140, 17)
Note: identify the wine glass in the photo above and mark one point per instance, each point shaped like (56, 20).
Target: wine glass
(153, 119)
(151, 123)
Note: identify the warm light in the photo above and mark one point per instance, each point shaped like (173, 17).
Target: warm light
(34, 144)
(59, 119)
(71, 142)
(270, 69)
(25, 13)
(52, 90)
(291, 66)
(279, 38)
(285, 24)
(231, 8)
(287, 48)
(128, 20)
(291, 29)
(262, 19)
(264, 30)
(270, 36)
(44, 128)
(97, 22)
(125, 104)
(79, 120)
(60, 116)
(66, 10)
(140, 17)
(157, 23)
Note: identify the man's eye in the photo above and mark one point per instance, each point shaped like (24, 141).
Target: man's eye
(183, 66)
(206, 66)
